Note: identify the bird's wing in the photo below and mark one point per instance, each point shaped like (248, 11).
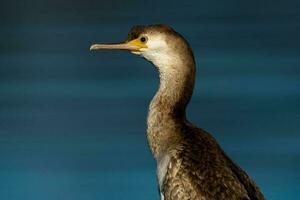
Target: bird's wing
(252, 189)
(186, 179)
(200, 171)
(176, 185)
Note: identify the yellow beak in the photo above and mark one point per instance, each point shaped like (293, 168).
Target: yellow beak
(133, 45)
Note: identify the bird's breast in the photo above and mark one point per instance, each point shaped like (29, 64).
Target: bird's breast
(163, 163)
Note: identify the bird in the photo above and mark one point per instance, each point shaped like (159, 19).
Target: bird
(191, 165)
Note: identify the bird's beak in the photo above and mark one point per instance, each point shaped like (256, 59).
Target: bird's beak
(133, 45)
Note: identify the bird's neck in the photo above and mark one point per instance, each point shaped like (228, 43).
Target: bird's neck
(167, 110)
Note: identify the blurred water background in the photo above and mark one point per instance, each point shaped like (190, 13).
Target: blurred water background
(72, 122)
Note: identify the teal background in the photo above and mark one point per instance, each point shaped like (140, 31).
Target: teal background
(72, 122)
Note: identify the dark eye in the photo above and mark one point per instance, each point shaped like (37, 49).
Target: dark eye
(143, 39)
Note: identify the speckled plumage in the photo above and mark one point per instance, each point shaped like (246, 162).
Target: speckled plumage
(191, 165)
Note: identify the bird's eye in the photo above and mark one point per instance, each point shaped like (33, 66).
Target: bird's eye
(143, 39)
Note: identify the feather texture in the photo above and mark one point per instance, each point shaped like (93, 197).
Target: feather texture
(190, 163)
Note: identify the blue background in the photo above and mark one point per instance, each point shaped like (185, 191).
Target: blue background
(72, 122)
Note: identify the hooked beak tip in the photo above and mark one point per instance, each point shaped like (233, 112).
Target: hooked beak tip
(93, 47)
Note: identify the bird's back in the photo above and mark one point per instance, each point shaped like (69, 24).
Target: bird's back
(198, 169)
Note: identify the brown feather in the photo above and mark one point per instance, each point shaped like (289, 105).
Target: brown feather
(191, 164)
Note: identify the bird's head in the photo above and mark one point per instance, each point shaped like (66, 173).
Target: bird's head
(159, 44)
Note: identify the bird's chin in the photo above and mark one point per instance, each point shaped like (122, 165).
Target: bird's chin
(136, 52)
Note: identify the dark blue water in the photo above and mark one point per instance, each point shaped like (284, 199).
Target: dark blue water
(72, 122)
